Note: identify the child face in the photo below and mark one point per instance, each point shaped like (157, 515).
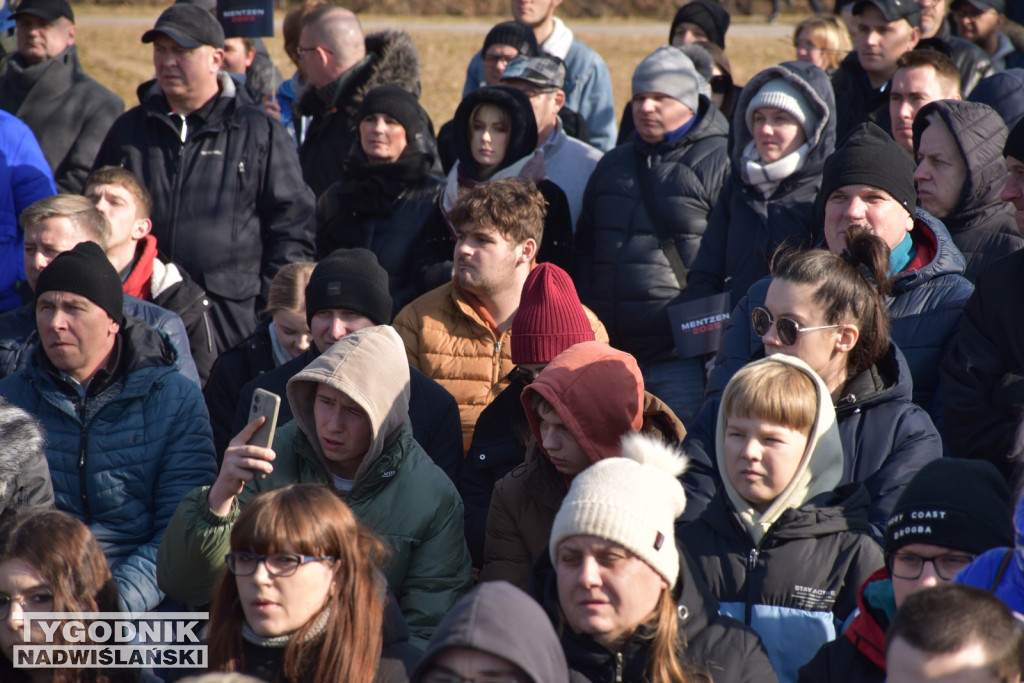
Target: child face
(761, 458)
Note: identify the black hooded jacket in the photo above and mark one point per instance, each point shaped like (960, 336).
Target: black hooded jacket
(388, 208)
(856, 101)
(981, 224)
(746, 229)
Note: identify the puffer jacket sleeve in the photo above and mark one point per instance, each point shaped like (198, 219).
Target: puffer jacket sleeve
(285, 206)
(865, 558)
(506, 555)
(585, 244)
(191, 557)
(732, 653)
(439, 570)
(707, 273)
(982, 378)
(187, 462)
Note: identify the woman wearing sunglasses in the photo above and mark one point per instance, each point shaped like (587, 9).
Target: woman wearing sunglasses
(829, 312)
(303, 599)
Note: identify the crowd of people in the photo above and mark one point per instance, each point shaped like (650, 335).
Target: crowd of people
(546, 392)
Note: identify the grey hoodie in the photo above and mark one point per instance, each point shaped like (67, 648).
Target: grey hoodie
(501, 620)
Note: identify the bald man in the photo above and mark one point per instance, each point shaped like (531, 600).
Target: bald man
(342, 65)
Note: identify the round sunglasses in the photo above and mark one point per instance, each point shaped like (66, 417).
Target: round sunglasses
(785, 328)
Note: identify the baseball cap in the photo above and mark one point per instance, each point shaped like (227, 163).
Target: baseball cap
(188, 25)
(51, 10)
(543, 71)
(893, 10)
(982, 5)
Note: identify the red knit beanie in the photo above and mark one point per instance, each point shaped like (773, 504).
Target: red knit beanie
(550, 318)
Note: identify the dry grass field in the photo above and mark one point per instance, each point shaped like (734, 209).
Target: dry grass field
(110, 49)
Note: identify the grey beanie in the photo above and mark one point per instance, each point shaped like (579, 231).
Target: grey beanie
(669, 72)
(782, 94)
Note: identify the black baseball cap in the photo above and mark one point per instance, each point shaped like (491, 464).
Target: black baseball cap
(51, 10)
(543, 71)
(188, 25)
(893, 10)
(982, 5)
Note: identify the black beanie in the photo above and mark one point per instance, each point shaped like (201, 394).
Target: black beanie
(869, 156)
(954, 503)
(1014, 146)
(394, 101)
(85, 271)
(519, 36)
(709, 15)
(350, 279)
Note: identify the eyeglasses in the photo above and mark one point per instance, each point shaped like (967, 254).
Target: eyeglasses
(491, 60)
(38, 601)
(299, 50)
(910, 566)
(278, 564)
(786, 328)
(438, 675)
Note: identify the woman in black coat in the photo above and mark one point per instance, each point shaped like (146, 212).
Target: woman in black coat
(386, 199)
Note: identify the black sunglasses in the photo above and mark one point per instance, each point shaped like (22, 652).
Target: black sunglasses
(786, 328)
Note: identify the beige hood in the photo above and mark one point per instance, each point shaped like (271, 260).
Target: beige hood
(371, 368)
(820, 470)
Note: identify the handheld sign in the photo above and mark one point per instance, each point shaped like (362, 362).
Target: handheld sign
(246, 18)
(697, 325)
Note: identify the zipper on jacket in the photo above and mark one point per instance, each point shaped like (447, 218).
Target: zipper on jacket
(496, 372)
(748, 609)
(82, 478)
(618, 667)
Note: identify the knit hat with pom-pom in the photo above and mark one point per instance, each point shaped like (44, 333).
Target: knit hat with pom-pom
(632, 501)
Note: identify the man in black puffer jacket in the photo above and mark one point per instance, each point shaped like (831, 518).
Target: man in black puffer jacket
(623, 272)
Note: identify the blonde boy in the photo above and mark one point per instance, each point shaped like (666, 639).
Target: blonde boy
(781, 547)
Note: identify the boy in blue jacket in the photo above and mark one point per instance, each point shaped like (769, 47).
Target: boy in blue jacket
(780, 547)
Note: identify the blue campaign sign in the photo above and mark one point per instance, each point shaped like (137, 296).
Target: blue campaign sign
(246, 18)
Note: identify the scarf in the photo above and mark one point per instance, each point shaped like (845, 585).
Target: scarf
(560, 40)
(278, 642)
(767, 177)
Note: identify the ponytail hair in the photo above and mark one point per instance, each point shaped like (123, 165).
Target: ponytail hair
(849, 288)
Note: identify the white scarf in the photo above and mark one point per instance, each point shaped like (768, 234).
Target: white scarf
(766, 177)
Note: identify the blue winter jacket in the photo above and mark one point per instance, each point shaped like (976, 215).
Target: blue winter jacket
(588, 91)
(799, 583)
(886, 439)
(24, 178)
(122, 459)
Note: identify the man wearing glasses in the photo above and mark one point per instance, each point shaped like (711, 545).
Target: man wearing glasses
(342, 65)
(950, 512)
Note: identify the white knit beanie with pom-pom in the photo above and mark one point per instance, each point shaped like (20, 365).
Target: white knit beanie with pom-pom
(633, 501)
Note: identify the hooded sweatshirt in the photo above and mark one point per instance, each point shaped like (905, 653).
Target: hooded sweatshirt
(397, 490)
(501, 620)
(598, 393)
(791, 572)
(820, 469)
